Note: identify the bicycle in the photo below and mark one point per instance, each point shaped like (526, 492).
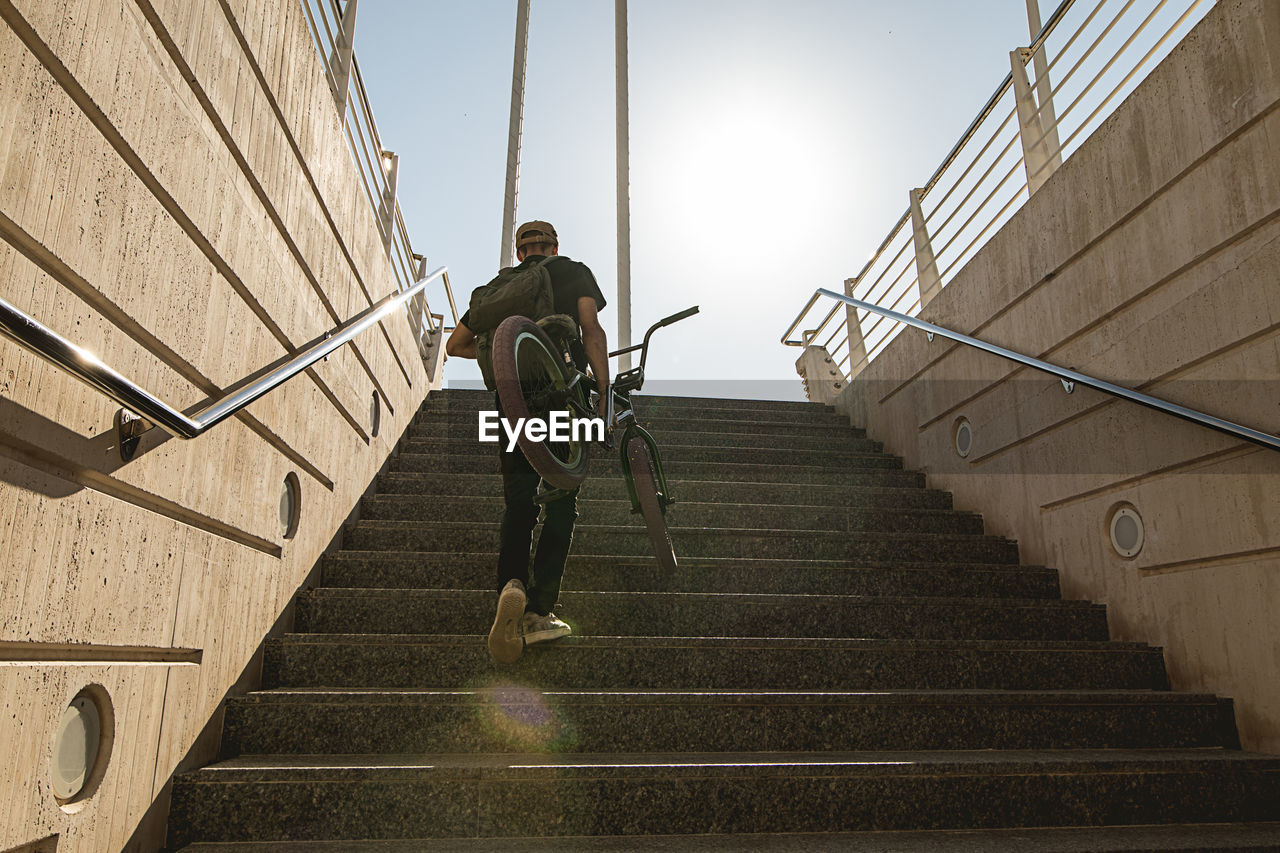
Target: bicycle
(537, 378)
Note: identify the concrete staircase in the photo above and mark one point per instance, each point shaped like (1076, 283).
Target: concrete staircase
(842, 662)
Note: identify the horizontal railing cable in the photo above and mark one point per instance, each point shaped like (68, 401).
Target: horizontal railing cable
(975, 184)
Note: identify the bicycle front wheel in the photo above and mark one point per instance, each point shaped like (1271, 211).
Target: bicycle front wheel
(532, 383)
(645, 481)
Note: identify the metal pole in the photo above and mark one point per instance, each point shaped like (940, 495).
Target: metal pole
(624, 186)
(507, 256)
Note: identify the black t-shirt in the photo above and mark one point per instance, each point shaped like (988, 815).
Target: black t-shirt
(570, 281)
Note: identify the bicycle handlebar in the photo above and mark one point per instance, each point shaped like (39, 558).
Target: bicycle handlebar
(666, 321)
(688, 312)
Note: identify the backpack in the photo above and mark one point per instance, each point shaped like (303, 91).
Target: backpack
(513, 292)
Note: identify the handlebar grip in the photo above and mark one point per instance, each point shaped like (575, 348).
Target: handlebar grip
(688, 312)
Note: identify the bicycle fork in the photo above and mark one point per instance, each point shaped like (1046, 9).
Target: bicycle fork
(634, 430)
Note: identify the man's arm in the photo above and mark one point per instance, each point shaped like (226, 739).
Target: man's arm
(462, 343)
(594, 341)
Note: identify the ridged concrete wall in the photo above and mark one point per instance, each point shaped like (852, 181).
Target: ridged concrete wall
(177, 196)
(1151, 259)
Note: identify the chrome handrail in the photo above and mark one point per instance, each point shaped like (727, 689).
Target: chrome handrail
(1067, 375)
(87, 367)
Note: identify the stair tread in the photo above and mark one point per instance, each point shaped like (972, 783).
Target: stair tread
(585, 504)
(742, 764)
(1109, 839)
(638, 528)
(567, 697)
(707, 562)
(741, 643)
(745, 597)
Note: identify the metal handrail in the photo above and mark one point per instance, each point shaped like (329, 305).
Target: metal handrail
(87, 367)
(1067, 375)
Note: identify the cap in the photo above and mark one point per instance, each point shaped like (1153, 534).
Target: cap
(536, 231)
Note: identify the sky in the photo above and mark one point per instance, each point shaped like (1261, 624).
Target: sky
(772, 146)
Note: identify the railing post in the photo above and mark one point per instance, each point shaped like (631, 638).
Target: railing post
(822, 380)
(1044, 89)
(1039, 160)
(514, 130)
(623, 120)
(387, 207)
(341, 58)
(926, 265)
(857, 343)
(418, 304)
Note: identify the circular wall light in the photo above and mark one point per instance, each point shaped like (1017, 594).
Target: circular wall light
(375, 415)
(962, 437)
(290, 505)
(1126, 529)
(82, 747)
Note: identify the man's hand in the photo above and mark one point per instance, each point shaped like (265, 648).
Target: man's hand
(602, 407)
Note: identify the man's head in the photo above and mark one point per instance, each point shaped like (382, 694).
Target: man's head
(536, 238)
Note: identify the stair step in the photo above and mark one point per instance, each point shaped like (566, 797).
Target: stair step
(603, 460)
(665, 432)
(506, 718)
(692, 663)
(400, 570)
(652, 404)
(875, 470)
(784, 425)
(461, 398)
(679, 614)
(857, 547)
(1228, 837)
(715, 412)
(489, 484)
(445, 795)
(687, 513)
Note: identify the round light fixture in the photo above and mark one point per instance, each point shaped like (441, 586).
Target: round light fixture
(81, 747)
(962, 437)
(1127, 532)
(290, 505)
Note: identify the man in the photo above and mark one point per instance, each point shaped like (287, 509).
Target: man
(525, 613)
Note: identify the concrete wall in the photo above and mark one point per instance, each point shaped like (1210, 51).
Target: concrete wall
(177, 196)
(1152, 259)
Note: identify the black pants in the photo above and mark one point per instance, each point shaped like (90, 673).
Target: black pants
(519, 485)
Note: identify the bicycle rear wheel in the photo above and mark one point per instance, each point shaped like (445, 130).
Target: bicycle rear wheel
(532, 383)
(651, 508)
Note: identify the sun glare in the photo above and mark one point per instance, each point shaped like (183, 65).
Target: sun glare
(741, 166)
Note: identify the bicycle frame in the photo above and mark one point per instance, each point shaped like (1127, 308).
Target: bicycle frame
(620, 415)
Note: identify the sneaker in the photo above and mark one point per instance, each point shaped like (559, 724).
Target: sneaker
(505, 644)
(539, 629)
